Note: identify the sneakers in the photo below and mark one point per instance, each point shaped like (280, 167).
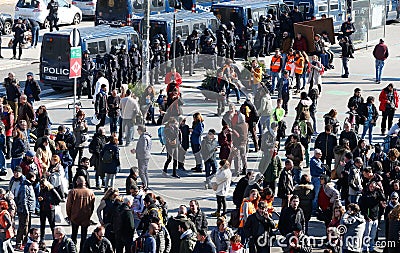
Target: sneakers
(176, 176)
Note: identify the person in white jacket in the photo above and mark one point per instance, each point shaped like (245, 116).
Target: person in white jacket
(100, 80)
(315, 70)
(223, 179)
(129, 109)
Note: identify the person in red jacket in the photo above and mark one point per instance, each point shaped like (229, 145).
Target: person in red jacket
(300, 43)
(381, 53)
(389, 102)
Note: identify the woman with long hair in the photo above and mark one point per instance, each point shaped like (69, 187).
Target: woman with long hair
(331, 119)
(146, 102)
(80, 128)
(248, 207)
(48, 199)
(65, 157)
(56, 176)
(8, 120)
(369, 115)
(18, 148)
(306, 193)
(106, 207)
(362, 151)
(43, 121)
(223, 180)
(43, 153)
(195, 140)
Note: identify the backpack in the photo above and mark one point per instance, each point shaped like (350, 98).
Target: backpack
(160, 213)
(116, 218)
(138, 245)
(108, 156)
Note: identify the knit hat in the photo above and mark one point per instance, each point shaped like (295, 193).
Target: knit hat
(30, 153)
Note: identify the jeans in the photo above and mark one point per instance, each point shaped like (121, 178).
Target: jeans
(127, 127)
(284, 57)
(221, 202)
(114, 124)
(74, 234)
(50, 215)
(324, 59)
(109, 178)
(296, 175)
(317, 184)
(24, 224)
(264, 122)
(143, 167)
(274, 77)
(368, 126)
(210, 163)
(35, 35)
(371, 227)
(354, 199)
(378, 69)
(345, 62)
(388, 115)
(197, 155)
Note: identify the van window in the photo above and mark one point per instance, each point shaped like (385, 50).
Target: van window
(323, 8)
(334, 6)
(283, 8)
(137, 4)
(63, 3)
(182, 30)
(273, 10)
(158, 3)
(93, 48)
(256, 13)
(134, 39)
(290, 4)
(102, 47)
(55, 49)
(114, 42)
(32, 4)
(304, 7)
(199, 26)
(214, 24)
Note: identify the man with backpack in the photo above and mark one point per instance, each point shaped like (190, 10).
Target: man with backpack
(151, 211)
(123, 225)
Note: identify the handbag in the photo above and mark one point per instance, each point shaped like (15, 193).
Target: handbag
(214, 186)
(58, 217)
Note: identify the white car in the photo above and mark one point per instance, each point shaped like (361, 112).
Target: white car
(37, 10)
(88, 7)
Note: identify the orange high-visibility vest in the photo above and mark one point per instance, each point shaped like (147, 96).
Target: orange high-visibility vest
(299, 63)
(275, 63)
(3, 224)
(250, 210)
(289, 60)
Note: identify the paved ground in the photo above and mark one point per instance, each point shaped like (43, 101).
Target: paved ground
(335, 94)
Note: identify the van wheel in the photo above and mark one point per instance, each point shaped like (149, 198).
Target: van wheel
(57, 88)
(46, 24)
(7, 28)
(77, 19)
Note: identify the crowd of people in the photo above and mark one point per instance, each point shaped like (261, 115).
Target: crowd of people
(353, 182)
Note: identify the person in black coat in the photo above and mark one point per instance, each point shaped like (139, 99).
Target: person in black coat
(32, 89)
(347, 51)
(95, 147)
(61, 243)
(296, 15)
(100, 106)
(326, 142)
(185, 140)
(240, 188)
(123, 225)
(369, 115)
(259, 224)
(19, 29)
(110, 167)
(204, 243)
(82, 170)
(290, 216)
(43, 121)
(97, 242)
(251, 117)
(150, 212)
(197, 216)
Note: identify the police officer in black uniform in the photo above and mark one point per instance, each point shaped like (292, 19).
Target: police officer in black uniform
(112, 67)
(231, 40)
(209, 53)
(222, 45)
(86, 78)
(248, 35)
(192, 49)
(123, 61)
(262, 35)
(163, 45)
(178, 53)
(155, 60)
(19, 30)
(53, 14)
(136, 61)
(270, 35)
(206, 34)
(1, 32)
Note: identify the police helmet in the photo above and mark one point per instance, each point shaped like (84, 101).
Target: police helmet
(231, 25)
(123, 47)
(222, 27)
(262, 18)
(134, 46)
(209, 40)
(269, 16)
(206, 31)
(195, 32)
(156, 41)
(86, 52)
(178, 37)
(250, 21)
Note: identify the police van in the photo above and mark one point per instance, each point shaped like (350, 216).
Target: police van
(55, 51)
(186, 22)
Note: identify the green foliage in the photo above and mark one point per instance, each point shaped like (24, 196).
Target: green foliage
(137, 88)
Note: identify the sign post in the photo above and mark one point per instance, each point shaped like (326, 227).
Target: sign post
(75, 62)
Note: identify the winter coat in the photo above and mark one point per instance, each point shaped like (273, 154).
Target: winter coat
(206, 247)
(363, 112)
(381, 52)
(218, 240)
(329, 120)
(94, 245)
(111, 168)
(383, 99)
(273, 170)
(237, 196)
(326, 143)
(208, 148)
(288, 218)
(225, 142)
(280, 86)
(173, 226)
(80, 206)
(129, 108)
(332, 194)
(81, 171)
(195, 137)
(256, 226)
(355, 225)
(25, 112)
(339, 152)
(303, 106)
(285, 184)
(306, 194)
(316, 169)
(127, 226)
(8, 121)
(163, 240)
(18, 148)
(143, 146)
(393, 235)
(51, 198)
(199, 219)
(370, 202)
(66, 246)
(100, 105)
(79, 131)
(13, 93)
(351, 136)
(15, 184)
(25, 198)
(223, 179)
(240, 134)
(314, 76)
(252, 116)
(188, 242)
(355, 179)
(35, 167)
